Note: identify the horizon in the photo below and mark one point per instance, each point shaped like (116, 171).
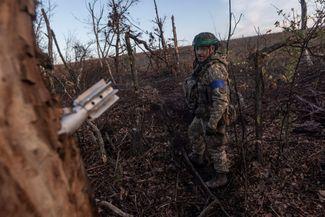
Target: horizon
(69, 18)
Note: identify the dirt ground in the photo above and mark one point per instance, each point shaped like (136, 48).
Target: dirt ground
(147, 175)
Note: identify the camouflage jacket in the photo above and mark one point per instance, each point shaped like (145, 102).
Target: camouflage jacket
(211, 91)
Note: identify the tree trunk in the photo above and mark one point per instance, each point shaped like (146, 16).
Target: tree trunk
(116, 27)
(306, 56)
(131, 61)
(258, 104)
(229, 29)
(303, 14)
(176, 46)
(40, 175)
(161, 34)
(258, 108)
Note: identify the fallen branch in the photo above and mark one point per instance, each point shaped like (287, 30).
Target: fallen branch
(205, 187)
(209, 208)
(173, 134)
(113, 208)
(310, 103)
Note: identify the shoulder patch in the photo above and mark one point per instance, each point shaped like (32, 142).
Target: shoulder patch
(217, 84)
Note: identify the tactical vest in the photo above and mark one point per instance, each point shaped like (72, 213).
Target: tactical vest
(203, 90)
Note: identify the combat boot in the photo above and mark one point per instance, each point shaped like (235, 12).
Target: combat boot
(217, 181)
(196, 159)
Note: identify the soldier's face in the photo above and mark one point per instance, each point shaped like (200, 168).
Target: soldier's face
(202, 53)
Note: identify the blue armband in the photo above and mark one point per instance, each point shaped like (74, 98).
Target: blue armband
(217, 84)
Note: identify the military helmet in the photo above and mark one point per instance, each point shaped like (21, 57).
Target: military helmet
(205, 39)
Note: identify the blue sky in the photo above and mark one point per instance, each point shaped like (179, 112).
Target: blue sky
(191, 17)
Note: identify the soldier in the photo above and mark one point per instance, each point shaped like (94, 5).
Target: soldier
(207, 95)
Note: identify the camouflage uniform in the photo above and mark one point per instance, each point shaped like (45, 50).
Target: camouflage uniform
(209, 99)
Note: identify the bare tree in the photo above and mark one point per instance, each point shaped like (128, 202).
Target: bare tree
(259, 89)
(41, 174)
(119, 23)
(304, 19)
(82, 53)
(116, 25)
(45, 50)
(160, 22)
(175, 45)
(103, 36)
(131, 61)
(231, 30)
(39, 22)
(301, 42)
(303, 14)
(243, 149)
(109, 30)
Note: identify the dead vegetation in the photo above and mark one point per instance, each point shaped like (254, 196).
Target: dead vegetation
(277, 166)
(147, 175)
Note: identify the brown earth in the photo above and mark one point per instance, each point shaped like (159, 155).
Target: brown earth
(146, 174)
(145, 133)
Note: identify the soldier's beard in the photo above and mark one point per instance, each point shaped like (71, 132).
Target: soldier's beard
(201, 59)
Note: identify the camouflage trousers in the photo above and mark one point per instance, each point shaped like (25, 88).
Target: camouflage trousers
(214, 145)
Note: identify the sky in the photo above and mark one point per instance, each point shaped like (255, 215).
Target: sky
(70, 17)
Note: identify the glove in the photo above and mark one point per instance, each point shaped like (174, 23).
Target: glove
(210, 131)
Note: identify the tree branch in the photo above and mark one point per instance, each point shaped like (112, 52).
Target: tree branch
(113, 208)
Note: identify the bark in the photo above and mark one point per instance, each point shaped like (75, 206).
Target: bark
(303, 14)
(161, 33)
(95, 27)
(102, 52)
(40, 175)
(116, 22)
(175, 45)
(258, 105)
(229, 29)
(258, 116)
(132, 61)
(306, 56)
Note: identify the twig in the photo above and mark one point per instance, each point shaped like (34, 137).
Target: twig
(109, 140)
(117, 161)
(176, 187)
(274, 211)
(285, 120)
(122, 140)
(113, 208)
(310, 103)
(209, 208)
(314, 154)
